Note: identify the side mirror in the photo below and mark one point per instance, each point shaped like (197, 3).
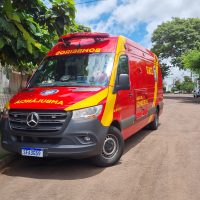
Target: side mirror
(123, 83)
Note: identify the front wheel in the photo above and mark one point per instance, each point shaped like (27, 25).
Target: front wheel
(112, 149)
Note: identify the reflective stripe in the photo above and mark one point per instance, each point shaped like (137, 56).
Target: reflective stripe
(155, 87)
(90, 101)
(107, 117)
(108, 92)
(7, 106)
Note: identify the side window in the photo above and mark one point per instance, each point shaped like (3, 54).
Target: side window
(123, 67)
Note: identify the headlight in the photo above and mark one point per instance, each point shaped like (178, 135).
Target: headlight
(91, 112)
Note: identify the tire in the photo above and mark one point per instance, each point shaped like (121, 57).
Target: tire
(112, 149)
(154, 124)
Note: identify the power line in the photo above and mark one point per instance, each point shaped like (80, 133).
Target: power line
(92, 1)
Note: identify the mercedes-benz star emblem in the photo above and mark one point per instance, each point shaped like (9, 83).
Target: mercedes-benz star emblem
(32, 119)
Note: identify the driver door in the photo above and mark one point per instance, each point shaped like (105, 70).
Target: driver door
(125, 98)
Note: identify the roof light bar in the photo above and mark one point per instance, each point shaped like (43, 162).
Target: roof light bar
(96, 36)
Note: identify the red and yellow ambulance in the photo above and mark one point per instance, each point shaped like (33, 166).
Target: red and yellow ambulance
(91, 92)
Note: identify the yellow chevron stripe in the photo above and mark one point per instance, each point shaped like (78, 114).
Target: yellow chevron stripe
(107, 117)
(108, 92)
(155, 87)
(90, 101)
(7, 106)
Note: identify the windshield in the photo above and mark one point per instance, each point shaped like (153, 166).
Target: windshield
(74, 70)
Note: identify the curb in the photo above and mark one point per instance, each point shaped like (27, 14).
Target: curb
(7, 160)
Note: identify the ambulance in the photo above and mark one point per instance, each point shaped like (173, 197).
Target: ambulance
(91, 92)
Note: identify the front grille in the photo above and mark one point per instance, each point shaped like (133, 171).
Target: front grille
(48, 121)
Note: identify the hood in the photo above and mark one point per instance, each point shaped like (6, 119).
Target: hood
(60, 98)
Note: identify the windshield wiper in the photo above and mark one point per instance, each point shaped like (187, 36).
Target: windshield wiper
(46, 84)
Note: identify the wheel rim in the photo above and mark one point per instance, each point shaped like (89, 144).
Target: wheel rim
(110, 146)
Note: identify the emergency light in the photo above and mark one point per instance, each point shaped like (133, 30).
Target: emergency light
(86, 35)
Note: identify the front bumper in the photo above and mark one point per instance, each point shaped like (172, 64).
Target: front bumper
(70, 142)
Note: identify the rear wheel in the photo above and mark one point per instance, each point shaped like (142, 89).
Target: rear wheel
(112, 149)
(154, 124)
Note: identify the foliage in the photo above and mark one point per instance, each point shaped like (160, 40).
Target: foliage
(164, 69)
(191, 60)
(29, 28)
(187, 85)
(173, 38)
(177, 85)
(79, 28)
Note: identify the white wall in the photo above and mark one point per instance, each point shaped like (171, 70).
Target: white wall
(4, 82)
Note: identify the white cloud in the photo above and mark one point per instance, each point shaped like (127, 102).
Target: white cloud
(176, 74)
(87, 13)
(126, 15)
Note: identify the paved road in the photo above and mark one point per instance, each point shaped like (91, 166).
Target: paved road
(158, 165)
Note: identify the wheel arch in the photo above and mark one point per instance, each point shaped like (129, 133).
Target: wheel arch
(116, 124)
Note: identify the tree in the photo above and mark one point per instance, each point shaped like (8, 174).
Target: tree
(176, 85)
(164, 69)
(79, 28)
(187, 85)
(191, 60)
(173, 38)
(29, 28)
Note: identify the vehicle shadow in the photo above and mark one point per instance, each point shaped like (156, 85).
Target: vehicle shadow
(135, 139)
(61, 168)
(183, 99)
(51, 168)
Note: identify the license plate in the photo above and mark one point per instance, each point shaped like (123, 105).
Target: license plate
(34, 152)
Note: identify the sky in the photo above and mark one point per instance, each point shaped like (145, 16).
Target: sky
(135, 19)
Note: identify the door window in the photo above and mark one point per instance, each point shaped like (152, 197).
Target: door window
(123, 67)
